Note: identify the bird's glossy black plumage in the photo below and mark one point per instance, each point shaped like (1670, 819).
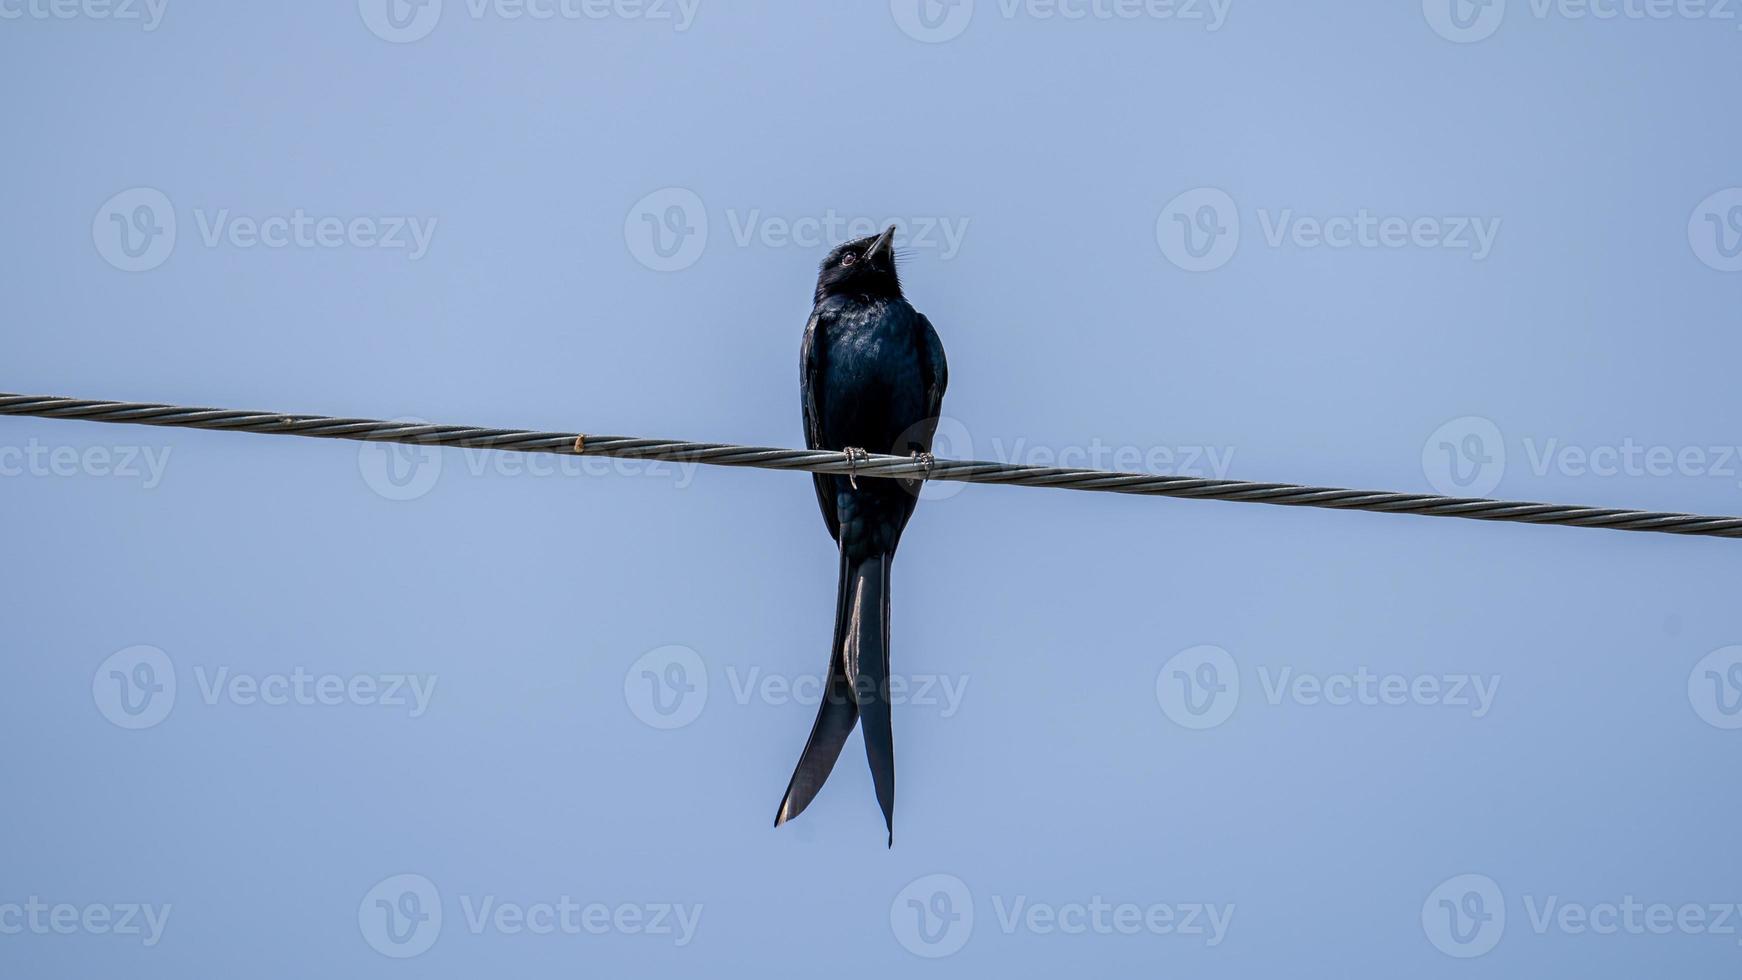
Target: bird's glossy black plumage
(872, 379)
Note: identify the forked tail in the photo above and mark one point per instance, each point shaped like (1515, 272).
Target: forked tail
(857, 689)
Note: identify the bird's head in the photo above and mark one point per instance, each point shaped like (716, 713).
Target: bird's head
(865, 267)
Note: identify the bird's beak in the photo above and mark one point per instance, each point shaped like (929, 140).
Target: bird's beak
(881, 245)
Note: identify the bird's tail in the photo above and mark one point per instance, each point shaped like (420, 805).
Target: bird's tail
(857, 688)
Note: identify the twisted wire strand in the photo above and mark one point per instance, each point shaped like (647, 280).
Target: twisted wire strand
(877, 466)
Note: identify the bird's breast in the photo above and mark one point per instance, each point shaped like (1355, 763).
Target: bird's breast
(874, 386)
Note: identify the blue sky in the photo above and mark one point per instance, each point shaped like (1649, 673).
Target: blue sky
(280, 706)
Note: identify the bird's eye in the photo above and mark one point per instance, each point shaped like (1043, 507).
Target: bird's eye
(849, 259)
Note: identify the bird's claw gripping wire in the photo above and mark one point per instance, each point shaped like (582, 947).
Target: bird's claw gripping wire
(926, 461)
(855, 456)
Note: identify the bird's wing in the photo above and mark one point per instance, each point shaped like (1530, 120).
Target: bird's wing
(810, 388)
(937, 369)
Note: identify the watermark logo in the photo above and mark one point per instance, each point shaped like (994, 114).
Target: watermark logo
(1199, 230)
(303, 688)
(667, 230)
(565, 916)
(1195, 462)
(753, 226)
(401, 21)
(401, 916)
(936, 21)
(404, 472)
(1466, 457)
(300, 230)
(405, 21)
(1631, 917)
(1715, 688)
(1464, 916)
(1469, 21)
(1464, 21)
(397, 471)
(135, 688)
(1715, 230)
(933, 916)
(932, 21)
(147, 464)
(667, 687)
(941, 691)
(1199, 688)
(951, 440)
(41, 918)
(134, 231)
(147, 13)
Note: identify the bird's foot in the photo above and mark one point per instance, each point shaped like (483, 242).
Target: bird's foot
(926, 461)
(855, 456)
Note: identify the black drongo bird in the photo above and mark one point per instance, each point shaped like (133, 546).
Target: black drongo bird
(871, 379)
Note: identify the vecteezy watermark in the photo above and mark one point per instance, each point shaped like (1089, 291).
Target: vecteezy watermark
(401, 917)
(137, 230)
(148, 14)
(145, 464)
(1469, 21)
(937, 21)
(952, 440)
(1364, 229)
(37, 917)
(399, 471)
(136, 688)
(1362, 687)
(299, 229)
(1715, 688)
(301, 688)
(667, 230)
(1200, 230)
(933, 917)
(1199, 688)
(1211, 462)
(667, 688)
(1467, 457)
(752, 227)
(405, 21)
(1464, 21)
(674, 921)
(402, 472)
(753, 684)
(1631, 917)
(1465, 916)
(1715, 230)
